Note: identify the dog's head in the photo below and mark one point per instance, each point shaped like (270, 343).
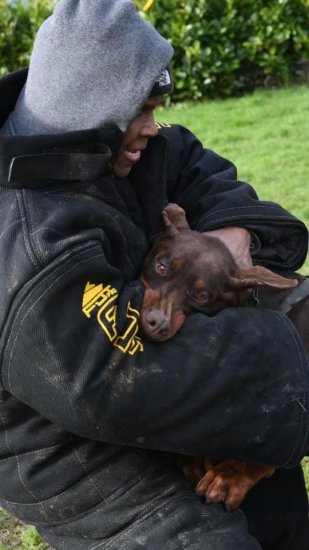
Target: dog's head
(187, 271)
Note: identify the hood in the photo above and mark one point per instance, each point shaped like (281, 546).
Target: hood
(94, 62)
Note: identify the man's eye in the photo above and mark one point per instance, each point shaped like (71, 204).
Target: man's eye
(161, 269)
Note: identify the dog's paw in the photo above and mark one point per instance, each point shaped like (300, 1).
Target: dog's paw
(230, 481)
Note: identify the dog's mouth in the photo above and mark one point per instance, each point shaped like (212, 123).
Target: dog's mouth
(156, 336)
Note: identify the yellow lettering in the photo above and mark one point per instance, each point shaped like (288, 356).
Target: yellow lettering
(129, 342)
(161, 125)
(103, 298)
(97, 296)
(107, 320)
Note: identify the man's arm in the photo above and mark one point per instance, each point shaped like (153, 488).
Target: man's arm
(232, 386)
(206, 186)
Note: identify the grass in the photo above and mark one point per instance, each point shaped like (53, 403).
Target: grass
(266, 134)
(16, 536)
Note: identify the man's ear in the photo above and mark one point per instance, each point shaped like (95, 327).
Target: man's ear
(174, 217)
(250, 277)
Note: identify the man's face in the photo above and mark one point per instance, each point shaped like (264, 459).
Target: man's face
(136, 137)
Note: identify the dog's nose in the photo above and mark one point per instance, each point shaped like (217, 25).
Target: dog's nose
(156, 322)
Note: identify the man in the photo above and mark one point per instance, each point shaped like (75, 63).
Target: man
(87, 407)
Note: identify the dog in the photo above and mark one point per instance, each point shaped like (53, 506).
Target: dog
(186, 272)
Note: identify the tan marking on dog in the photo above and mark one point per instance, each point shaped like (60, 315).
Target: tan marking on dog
(176, 264)
(199, 284)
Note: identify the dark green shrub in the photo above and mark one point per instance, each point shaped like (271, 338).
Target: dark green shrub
(230, 46)
(222, 47)
(19, 22)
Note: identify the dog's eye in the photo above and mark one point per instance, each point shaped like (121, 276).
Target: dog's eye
(198, 295)
(161, 269)
(201, 296)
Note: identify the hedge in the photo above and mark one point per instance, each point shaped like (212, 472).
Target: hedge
(19, 21)
(227, 47)
(222, 47)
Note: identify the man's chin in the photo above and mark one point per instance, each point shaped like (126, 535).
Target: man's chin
(121, 171)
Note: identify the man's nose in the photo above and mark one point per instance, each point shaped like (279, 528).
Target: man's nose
(149, 129)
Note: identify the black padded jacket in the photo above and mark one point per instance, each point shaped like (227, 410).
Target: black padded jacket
(78, 384)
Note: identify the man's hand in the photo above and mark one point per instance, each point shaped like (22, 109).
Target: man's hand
(237, 240)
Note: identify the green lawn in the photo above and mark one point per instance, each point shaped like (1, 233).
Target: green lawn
(266, 135)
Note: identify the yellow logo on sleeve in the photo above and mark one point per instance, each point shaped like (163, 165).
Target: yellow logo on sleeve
(102, 299)
(160, 125)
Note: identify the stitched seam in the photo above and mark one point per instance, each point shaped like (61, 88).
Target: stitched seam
(257, 206)
(21, 455)
(31, 308)
(57, 495)
(110, 499)
(37, 300)
(236, 217)
(59, 267)
(299, 348)
(11, 225)
(18, 464)
(31, 229)
(25, 229)
(51, 229)
(29, 221)
(89, 476)
(149, 512)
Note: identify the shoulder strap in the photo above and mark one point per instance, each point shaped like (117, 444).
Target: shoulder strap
(295, 296)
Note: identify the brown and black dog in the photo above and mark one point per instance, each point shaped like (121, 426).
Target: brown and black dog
(186, 272)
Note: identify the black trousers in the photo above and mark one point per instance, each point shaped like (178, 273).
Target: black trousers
(277, 511)
(162, 511)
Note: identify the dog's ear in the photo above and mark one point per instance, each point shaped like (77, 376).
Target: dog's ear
(250, 277)
(174, 217)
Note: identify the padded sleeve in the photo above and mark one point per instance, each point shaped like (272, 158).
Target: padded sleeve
(206, 186)
(232, 386)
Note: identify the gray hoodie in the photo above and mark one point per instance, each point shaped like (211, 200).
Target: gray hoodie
(94, 62)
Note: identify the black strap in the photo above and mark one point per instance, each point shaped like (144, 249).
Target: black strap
(35, 170)
(295, 296)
